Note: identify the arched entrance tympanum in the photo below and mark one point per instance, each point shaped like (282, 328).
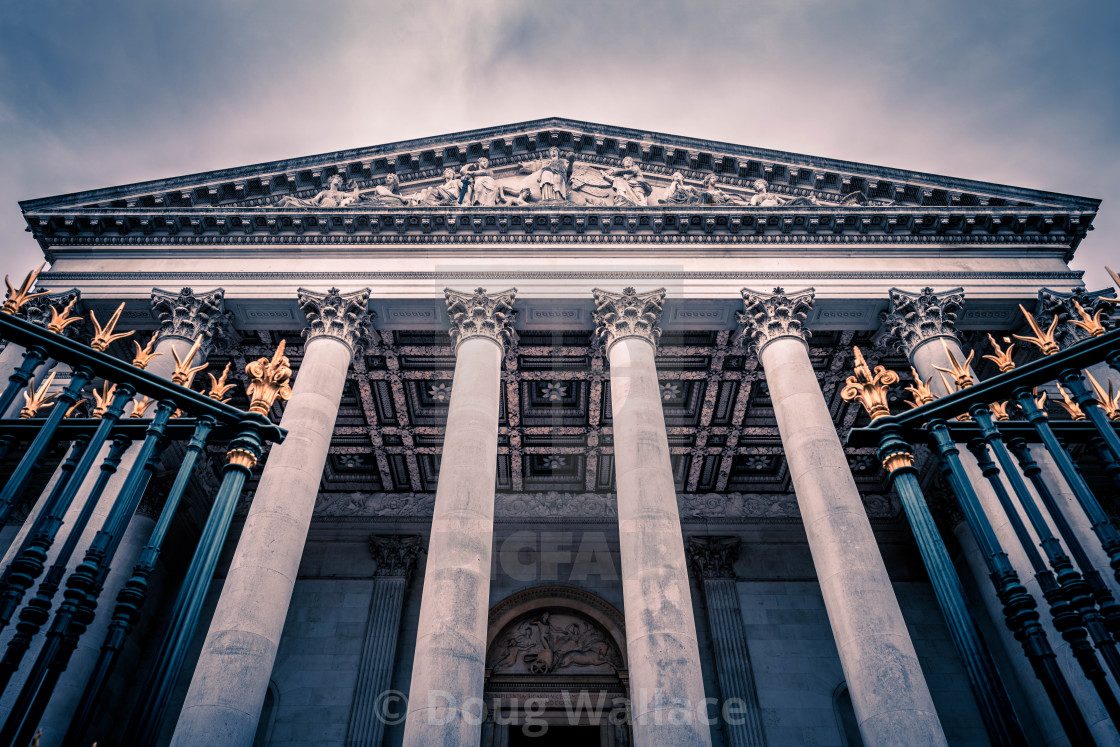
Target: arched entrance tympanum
(556, 670)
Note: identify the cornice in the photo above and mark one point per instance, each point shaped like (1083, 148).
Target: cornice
(1074, 276)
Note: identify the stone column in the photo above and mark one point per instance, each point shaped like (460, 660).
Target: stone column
(230, 681)
(922, 326)
(889, 692)
(445, 697)
(666, 683)
(713, 560)
(396, 557)
(184, 318)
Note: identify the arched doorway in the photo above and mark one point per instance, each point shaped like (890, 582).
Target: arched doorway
(556, 671)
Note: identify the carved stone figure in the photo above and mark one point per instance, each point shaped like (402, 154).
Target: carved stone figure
(334, 196)
(553, 642)
(679, 193)
(624, 186)
(386, 194)
(550, 174)
(447, 193)
(483, 188)
(713, 195)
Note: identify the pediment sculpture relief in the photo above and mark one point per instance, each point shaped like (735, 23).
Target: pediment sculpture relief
(560, 179)
(553, 643)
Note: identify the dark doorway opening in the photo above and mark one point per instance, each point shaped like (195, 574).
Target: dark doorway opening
(556, 736)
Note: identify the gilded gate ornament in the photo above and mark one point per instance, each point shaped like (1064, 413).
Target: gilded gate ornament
(218, 387)
(184, 371)
(921, 391)
(1109, 402)
(145, 354)
(103, 336)
(870, 388)
(962, 376)
(61, 320)
(1044, 341)
(268, 380)
(36, 399)
(1002, 358)
(18, 297)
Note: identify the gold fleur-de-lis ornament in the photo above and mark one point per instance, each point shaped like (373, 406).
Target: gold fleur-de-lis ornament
(60, 321)
(103, 336)
(1044, 341)
(1002, 358)
(922, 394)
(145, 354)
(962, 376)
(17, 297)
(103, 399)
(36, 399)
(870, 388)
(268, 380)
(219, 387)
(184, 372)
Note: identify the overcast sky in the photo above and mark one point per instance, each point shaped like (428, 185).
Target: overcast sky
(96, 94)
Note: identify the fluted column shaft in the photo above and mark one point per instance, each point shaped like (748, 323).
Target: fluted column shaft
(666, 682)
(892, 701)
(227, 691)
(448, 669)
(713, 559)
(395, 557)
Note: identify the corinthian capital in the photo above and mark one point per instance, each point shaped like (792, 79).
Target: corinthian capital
(37, 310)
(713, 557)
(628, 314)
(345, 317)
(480, 314)
(191, 315)
(395, 554)
(913, 318)
(1071, 319)
(768, 316)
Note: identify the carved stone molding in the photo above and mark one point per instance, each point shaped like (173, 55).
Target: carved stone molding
(345, 317)
(1053, 303)
(628, 314)
(713, 557)
(913, 318)
(192, 315)
(768, 316)
(480, 314)
(395, 554)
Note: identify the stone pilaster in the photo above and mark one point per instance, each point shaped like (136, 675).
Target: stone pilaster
(666, 684)
(713, 560)
(448, 671)
(230, 680)
(396, 557)
(889, 692)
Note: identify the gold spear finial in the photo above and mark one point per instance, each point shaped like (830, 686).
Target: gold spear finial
(103, 399)
(219, 387)
(949, 389)
(921, 392)
(58, 321)
(1091, 324)
(1110, 402)
(1072, 408)
(18, 297)
(961, 375)
(37, 398)
(1115, 279)
(184, 372)
(268, 380)
(145, 354)
(104, 335)
(139, 406)
(1044, 341)
(81, 401)
(999, 409)
(869, 388)
(1002, 358)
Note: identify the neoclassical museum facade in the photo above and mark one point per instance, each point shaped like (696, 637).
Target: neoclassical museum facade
(567, 453)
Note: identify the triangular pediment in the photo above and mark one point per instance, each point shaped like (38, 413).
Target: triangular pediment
(412, 174)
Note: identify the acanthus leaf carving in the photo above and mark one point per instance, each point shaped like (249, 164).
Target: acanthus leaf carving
(344, 316)
(713, 557)
(481, 314)
(768, 316)
(192, 315)
(628, 314)
(913, 318)
(1064, 306)
(395, 554)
